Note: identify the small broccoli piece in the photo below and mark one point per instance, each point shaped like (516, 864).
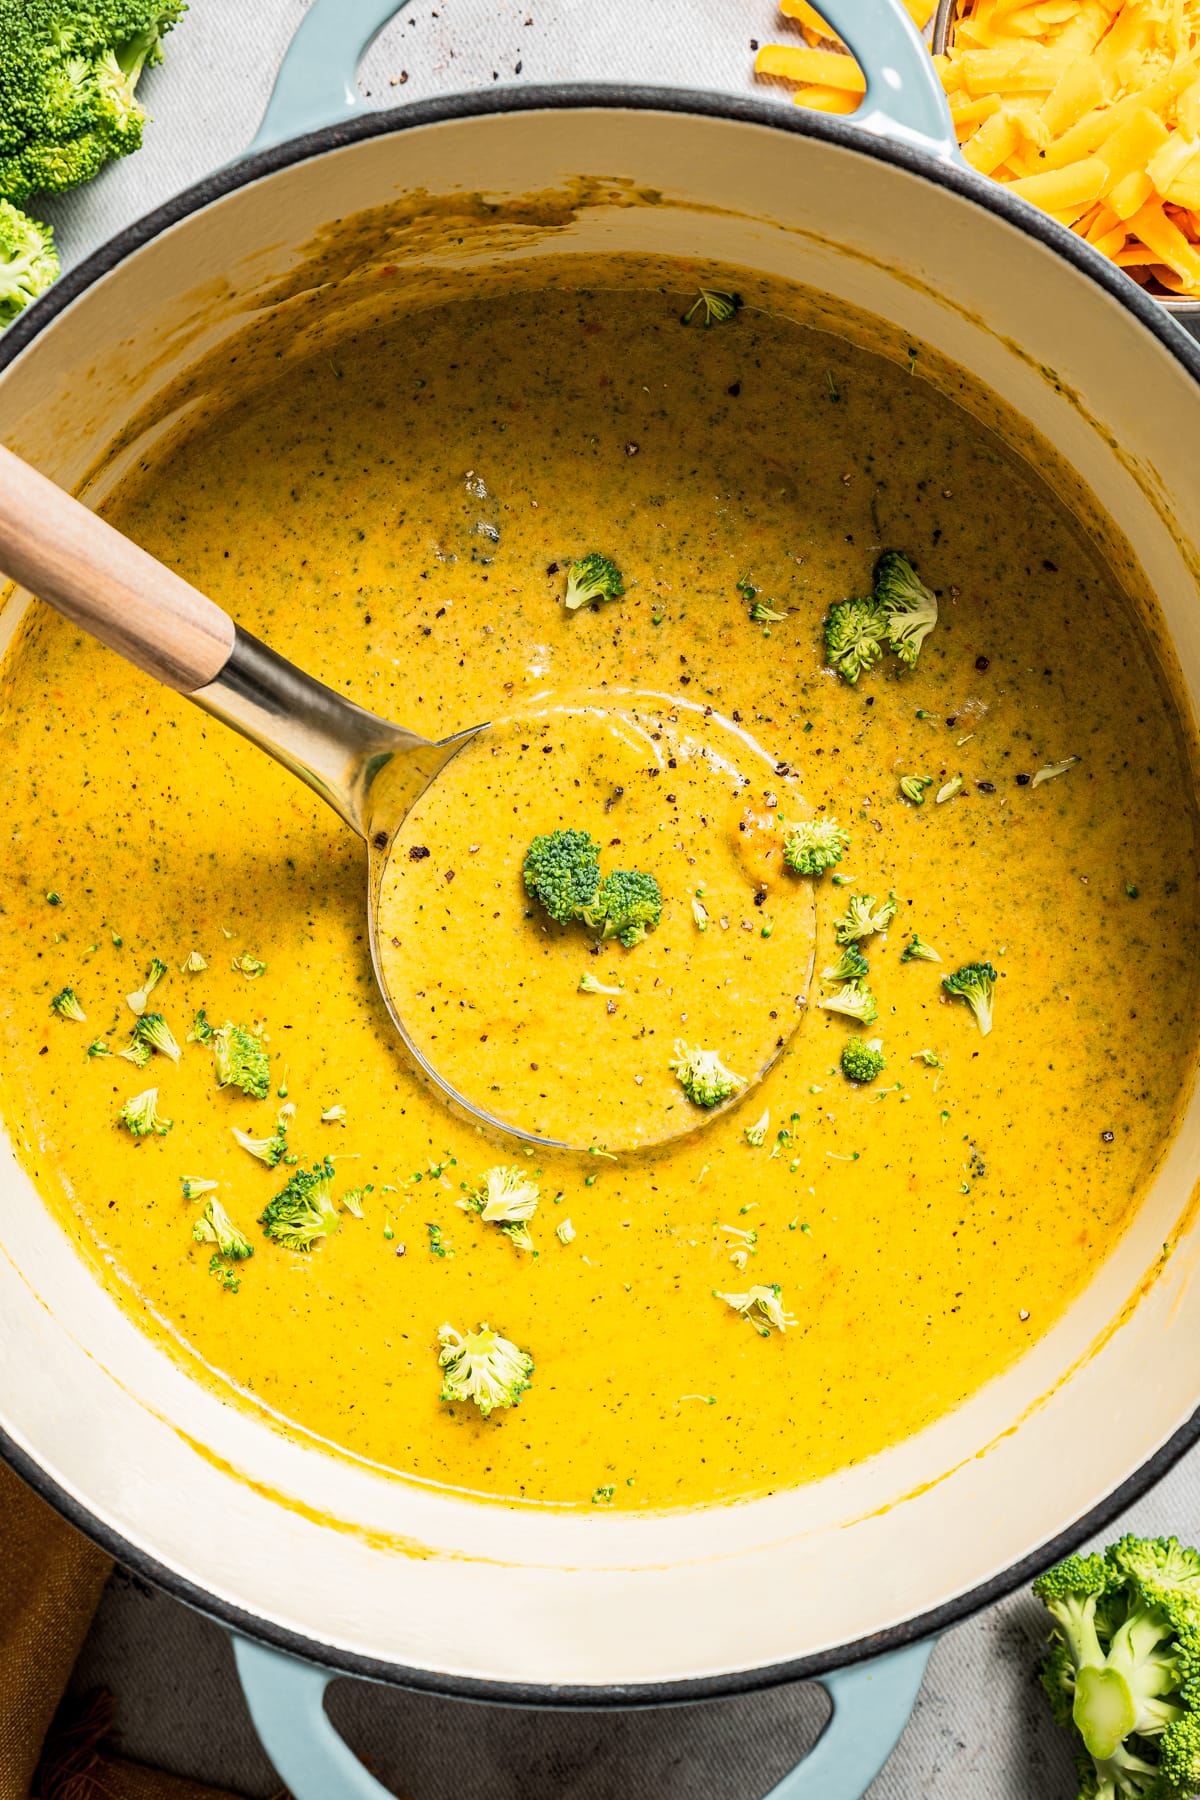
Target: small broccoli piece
(507, 1198)
(304, 1211)
(975, 983)
(136, 1052)
(353, 1199)
(917, 950)
(814, 846)
(28, 259)
(854, 632)
(913, 787)
(588, 984)
(629, 905)
(562, 873)
(140, 1116)
(699, 913)
(334, 1115)
(1121, 1671)
(202, 1032)
(99, 1048)
(855, 1000)
(152, 1029)
(194, 965)
(195, 1185)
(270, 1150)
(565, 1232)
(717, 307)
(862, 1062)
(909, 607)
(761, 1307)
(703, 1076)
(852, 965)
(592, 577)
(214, 1226)
(864, 916)
(762, 614)
(483, 1367)
(249, 966)
(67, 1006)
(756, 1134)
(241, 1061)
(137, 1002)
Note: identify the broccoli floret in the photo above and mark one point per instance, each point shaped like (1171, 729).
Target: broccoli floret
(854, 633)
(761, 1307)
(1122, 1666)
(814, 846)
(140, 1116)
(862, 1062)
(202, 1032)
(68, 70)
(241, 1061)
(913, 787)
(136, 1052)
(152, 1029)
(194, 965)
(852, 965)
(756, 1134)
(592, 577)
(270, 1150)
(855, 1000)
(195, 1185)
(28, 259)
(507, 1198)
(762, 614)
(137, 1002)
(562, 872)
(353, 1198)
(702, 1075)
(214, 1226)
(909, 607)
(865, 916)
(483, 1367)
(975, 983)
(717, 307)
(629, 905)
(67, 1006)
(917, 950)
(304, 1211)
(334, 1115)
(249, 966)
(588, 984)
(98, 1048)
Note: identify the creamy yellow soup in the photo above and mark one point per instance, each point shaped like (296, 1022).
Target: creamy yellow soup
(923, 1229)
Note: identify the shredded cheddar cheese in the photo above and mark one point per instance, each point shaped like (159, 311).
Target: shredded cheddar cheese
(1088, 109)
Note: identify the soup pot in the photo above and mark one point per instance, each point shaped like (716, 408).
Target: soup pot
(319, 1565)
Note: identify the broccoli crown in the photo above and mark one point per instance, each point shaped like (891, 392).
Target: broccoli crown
(862, 1062)
(854, 633)
(28, 259)
(856, 1000)
(482, 1367)
(629, 905)
(702, 1075)
(1123, 1664)
(304, 1211)
(68, 70)
(152, 1029)
(592, 577)
(241, 1061)
(910, 609)
(214, 1226)
(851, 965)
(864, 916)
(975, 983)
(562, 872)
(67, 1006)
(814, 846)
(140, 1115)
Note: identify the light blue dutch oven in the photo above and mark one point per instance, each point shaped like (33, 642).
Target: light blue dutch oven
(320, 1567)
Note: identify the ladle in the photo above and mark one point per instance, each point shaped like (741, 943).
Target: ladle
(370, 771)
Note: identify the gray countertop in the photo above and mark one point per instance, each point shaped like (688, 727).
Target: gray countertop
(980, 1730)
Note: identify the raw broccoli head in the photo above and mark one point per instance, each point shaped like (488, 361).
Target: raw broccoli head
(630, 905)
(1121, 1671)
(28, 260)
(562, 872)
(975, 983)
(702, 1075)
(593, 577)
(814, 846)
(305, 1211)
(854, 633)
(241, 1061)
(909, 608)
(862, 1062)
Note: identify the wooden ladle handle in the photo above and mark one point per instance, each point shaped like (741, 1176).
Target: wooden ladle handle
(80, 565)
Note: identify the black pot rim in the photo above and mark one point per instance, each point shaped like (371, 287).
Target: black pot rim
(740, 110)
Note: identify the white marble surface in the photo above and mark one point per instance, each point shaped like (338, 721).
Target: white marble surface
(980, 1731)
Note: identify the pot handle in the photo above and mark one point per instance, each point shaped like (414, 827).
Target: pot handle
(904, 99)
(871, 1704)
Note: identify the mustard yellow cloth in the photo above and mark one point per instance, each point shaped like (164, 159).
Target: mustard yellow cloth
(51, 1580)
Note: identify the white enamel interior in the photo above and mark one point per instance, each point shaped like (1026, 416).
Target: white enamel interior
(530, 1596)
